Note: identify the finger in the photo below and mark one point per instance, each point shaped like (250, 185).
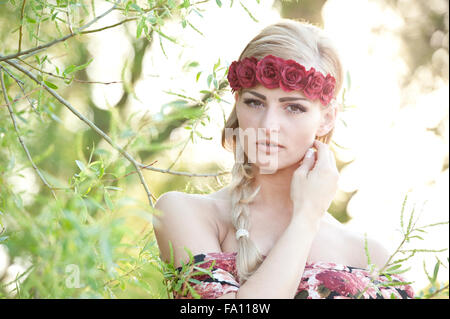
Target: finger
(307, 163)
(323, 158)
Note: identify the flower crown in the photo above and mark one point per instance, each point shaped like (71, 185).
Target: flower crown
(273, 72)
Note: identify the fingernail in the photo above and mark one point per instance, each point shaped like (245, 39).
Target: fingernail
(309, 153)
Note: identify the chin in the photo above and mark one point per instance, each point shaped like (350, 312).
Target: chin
(268, 165)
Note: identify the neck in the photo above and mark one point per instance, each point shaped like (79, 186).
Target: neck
(275, 190)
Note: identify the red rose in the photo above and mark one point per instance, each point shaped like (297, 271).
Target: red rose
(314, 85)
(246, 72)
(328, 90)
(293, 76)
(268, 71)
(232, 77)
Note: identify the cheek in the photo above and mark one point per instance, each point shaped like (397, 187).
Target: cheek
(244, 118)
(301, 137)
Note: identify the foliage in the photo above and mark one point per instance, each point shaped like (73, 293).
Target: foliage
(394, 264)
(179, 280)
(80, 235)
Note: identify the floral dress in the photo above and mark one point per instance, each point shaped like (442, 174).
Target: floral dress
(320, 280)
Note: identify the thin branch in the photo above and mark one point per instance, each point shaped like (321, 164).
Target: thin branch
(437, 292)
(63, 78)
(11, 113)
(92, 125)
(20, 83)
(21, 25)
(161, 170)
(143, 166)
(47, 45)
(68, 19)
(181, 152)
(108, 27)
(25, 96)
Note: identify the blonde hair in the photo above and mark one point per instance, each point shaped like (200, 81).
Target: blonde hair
(289, 39)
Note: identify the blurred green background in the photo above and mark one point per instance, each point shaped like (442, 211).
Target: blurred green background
(152, 77)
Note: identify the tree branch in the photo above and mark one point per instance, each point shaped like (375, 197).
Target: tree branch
(38, 48)
(89, 123)
(11, 113)
(63, 78)
(21, 24)
(110, 26)
(23, 97)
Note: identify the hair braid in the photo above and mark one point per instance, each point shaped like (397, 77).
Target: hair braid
(248, 257)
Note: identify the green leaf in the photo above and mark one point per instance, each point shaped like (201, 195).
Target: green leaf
(136, 7)
(80, 67)
(219, 3)
(436, 270)
(139, 27)
(393, 268)
(80, 165)
(216, 65)
(198, 76)
(171, 254)
(193, 27)
(113, 188)
(195, 281)
(403, 209)
(193, 64)
(185, 4)
(248, 11)
(50, 85)
(69, 69)
(191, 257)
(208, 80)
(193, 292)
(31, 20)
(349, 81)
(108, 200)
(395, 283)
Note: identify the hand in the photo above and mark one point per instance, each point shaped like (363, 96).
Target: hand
(313, 190)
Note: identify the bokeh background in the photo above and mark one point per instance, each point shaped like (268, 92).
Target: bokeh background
(391, 139)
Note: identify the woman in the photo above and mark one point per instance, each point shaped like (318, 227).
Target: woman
(268, 231)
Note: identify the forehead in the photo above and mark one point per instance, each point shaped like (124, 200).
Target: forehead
(273, 93)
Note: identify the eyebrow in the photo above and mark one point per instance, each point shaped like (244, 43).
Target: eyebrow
(281, 99)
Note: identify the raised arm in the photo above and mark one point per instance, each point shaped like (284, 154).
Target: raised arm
(312, 191)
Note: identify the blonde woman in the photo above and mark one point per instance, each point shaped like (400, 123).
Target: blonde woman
(269, 231)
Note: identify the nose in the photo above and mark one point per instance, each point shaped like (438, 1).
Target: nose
(270, 123)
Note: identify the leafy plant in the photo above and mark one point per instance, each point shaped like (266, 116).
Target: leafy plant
(179, 280)
(393, 265)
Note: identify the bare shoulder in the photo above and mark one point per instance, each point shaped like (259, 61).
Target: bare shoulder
(346, 246)
(378, 253)
(185, 221)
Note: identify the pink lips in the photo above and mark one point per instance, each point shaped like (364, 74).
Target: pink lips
(268, 149)
(265, 142)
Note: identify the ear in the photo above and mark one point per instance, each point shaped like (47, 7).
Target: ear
(328, 120)
(236, 96)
